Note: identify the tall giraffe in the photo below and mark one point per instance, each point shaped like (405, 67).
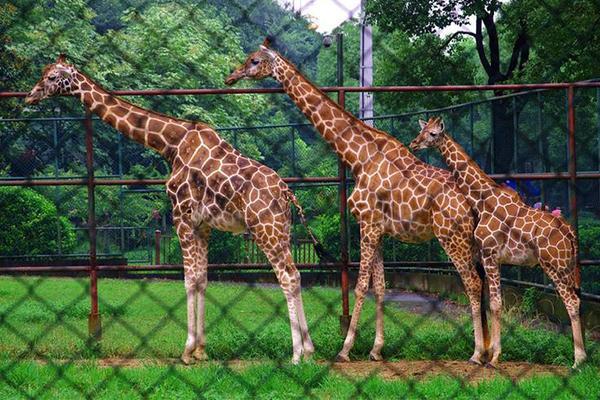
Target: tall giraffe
(509, 231)
(395, 193)
(211, 185)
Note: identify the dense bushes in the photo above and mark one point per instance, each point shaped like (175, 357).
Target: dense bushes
(30, 224)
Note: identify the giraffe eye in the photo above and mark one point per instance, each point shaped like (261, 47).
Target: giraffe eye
(255, 61)
(52, 77)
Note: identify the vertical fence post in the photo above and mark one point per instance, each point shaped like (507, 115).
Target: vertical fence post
(157, 236)
(345, 317)
(94, 323)
(573, 173)
(343, 196)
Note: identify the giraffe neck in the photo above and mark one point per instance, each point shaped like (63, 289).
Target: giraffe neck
(153, 130)
(344, 132)
(471, 179)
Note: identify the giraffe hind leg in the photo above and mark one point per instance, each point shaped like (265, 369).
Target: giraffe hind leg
(379, 289)
(565, 284)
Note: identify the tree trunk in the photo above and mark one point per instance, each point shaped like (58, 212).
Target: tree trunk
(502, 136)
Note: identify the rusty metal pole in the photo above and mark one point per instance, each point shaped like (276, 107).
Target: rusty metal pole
(157, 236)
(94, 323)
(573, 187)
(343, 196)
(344, 281)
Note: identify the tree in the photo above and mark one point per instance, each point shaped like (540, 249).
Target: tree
(426, 17)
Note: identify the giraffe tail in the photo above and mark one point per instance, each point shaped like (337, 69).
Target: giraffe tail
(323, 254)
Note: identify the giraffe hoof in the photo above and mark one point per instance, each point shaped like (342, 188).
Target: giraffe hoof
(307, 355)
(295, 360)
(474, 361)
(375, 357)
(200, 355)
(342, 358)
(186, 359)
(491, 366)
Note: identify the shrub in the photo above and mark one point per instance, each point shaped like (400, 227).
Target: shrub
(29, 224)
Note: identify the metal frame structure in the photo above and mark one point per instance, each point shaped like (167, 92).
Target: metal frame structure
(342, 181)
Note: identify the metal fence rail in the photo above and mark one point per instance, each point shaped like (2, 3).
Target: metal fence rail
(342, 181)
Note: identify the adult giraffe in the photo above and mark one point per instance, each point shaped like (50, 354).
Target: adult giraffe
(395, 193)
(509, 231)
(211, 185)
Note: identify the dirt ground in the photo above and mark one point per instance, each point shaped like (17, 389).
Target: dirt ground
(417, 370)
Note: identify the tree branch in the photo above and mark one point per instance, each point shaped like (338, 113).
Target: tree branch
(490, 27)
(480, 50)
(520, 51)
(454, 35)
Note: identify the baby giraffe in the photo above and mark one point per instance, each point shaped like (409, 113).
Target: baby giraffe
(511, 232)
(211, 185)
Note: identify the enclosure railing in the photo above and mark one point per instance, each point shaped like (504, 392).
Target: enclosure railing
(572, 176)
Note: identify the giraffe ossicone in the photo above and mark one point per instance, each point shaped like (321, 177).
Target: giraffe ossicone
(212, 185)
(395, 194)
(511, 232)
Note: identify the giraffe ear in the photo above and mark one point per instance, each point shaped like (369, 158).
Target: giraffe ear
(442, 125)
(62, 58)
(267, 42)
(422, 123)
(270, 53)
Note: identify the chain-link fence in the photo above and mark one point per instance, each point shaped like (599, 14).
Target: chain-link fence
(92, 302)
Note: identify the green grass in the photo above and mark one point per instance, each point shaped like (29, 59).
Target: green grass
(47, 319)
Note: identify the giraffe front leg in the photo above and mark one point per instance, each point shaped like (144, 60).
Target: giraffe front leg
(379, 289)
(187, 242)
(201, 283)
(370, 238)
(190, 290)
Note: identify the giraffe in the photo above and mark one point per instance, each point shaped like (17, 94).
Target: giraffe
(211, 185)
(395, 194)
(509, 231)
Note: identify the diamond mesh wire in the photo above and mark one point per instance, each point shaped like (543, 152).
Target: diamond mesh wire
(46, 350)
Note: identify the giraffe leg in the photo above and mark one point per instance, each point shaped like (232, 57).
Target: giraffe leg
(201, 283)
(288, 276)
(189, 252)
(379, 289)
(307, 345)
(492, 270)
(370, 238)
(459, 248)
(566, 289)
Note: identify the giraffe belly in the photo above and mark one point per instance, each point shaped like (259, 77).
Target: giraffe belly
(518, 254)
(226, 222)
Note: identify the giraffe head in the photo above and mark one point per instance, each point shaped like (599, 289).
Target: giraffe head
(57, 78)
(431, 135)
(258, 65)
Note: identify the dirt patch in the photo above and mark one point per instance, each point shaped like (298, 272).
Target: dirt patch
(416, 370)
(461, 370)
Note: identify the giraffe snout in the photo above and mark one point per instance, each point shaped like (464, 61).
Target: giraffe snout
(234, 77)
(415, 145)
(34, 96)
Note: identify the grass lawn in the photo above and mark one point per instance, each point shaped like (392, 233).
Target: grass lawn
(46, 319)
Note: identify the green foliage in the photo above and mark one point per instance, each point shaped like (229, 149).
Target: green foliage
(529, 301)
(32, 224)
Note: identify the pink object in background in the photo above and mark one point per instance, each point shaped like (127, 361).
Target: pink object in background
(557, 212)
